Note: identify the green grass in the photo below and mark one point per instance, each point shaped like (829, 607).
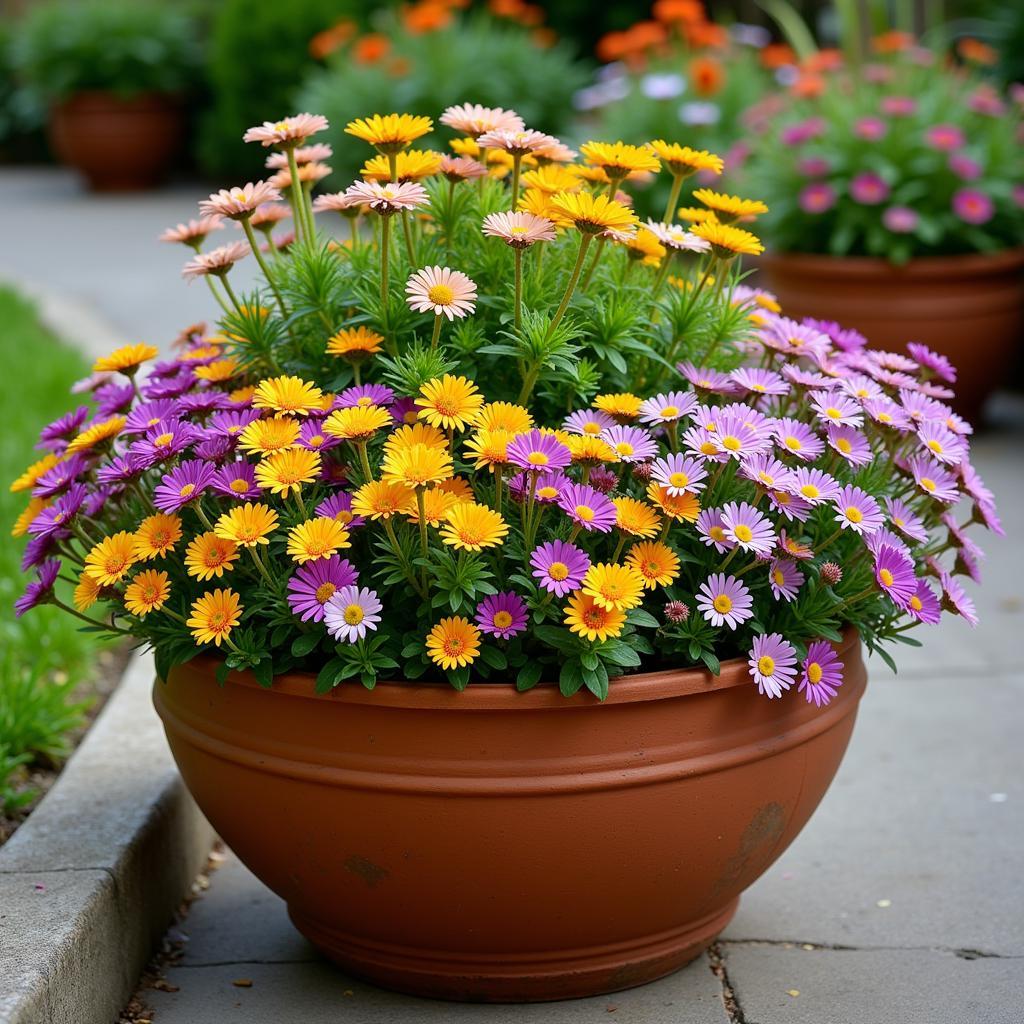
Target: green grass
(43, 656)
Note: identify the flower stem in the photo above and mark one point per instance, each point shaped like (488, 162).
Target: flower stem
(518, 315)
(385, 237)
(262, 568)
(517, 159)
(421, 505)
(216, 294)
(585, 240)
(409, 247)
(239, 308)
(673, 198)
(85, 618)
(298, 199)
(437, 331)
(254, 245)
(593, 263)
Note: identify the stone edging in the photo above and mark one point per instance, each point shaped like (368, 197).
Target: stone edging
(90, 882)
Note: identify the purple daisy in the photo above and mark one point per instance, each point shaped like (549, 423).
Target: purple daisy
(822, 673)
(237, 480)
(559, 566)
(934, 362)
(701, 441)
(833, 408)
(232, 423)
(404, 411)
(183, 484)
(813, 485)
(792, 506)
(772, 664)
(169, 387)
(40, 589)
(678, 473)
(851, 444)
(798, 439)
(861, 387)
(350, 612)
(214, 449)
(941, 443)
(903, 517)
(587, 508)
(667, 408)
(55, 435)
(364, 394)
(53, 521)
(202, 403)
(546, 486)
(759, 381)
(339, 506)
(795, 339)
(57, 480)
(631, 444)
(748, 528)
(149, 414)
(968, 560)
(97, 499)
(894, 573)
(785, 579)
(711, 529)
(924, 605)
(316, 582)
(538, 451)
(705, 379)
(724, 600)
(119, 470)
(765, 471)
(856, 510)
(738, 438)
(312, 436)
(502, 615)
(37, 550)
(973, 206)
(162, 442)
(113, 399)
(934, 479)
(869, 189)
(920, 408)
(985, 513)
(955, 599)
(806, 378)
(880, 538)
(974, 485)
(589, 421)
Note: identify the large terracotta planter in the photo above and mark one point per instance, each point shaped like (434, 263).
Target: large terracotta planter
(117, 144)
(970, 308)
(500, 846)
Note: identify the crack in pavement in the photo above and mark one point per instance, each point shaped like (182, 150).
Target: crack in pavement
(964, 953)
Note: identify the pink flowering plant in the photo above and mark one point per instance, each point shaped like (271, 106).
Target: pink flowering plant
(494, 428)
(905, 156)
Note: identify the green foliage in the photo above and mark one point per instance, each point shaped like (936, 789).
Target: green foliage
(70, 46)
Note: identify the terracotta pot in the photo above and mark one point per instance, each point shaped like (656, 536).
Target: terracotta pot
(970, 308)
(500, 846)
(117, 144)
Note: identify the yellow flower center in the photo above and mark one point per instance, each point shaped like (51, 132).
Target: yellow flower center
(884, 417)
(239, 486)
(584, 512)
(717, 533)
(743, 533)
(723, 604)
(186, 490)
(766, 478)
(558, 571)
(152, 421)
(779, 577)
(502, 620)
(517, 230)
(325, 592)
(814, 672)
(315, 441)
(592, 428)
(163, 440)
(364, 401)
(354, 614)
(793, 443)
(441, 295)
(915, 603)
(624, 448)
(766, 665)
(886, 577)
(854, 514)
(679, 480)
(833, 413)
(928, 483)
(757, 387)
(844, 445)
(537, 459)
(707, 448)
(935, 447)
(453, 646)
(548, 493)
(670, 412)
(810, 491)
(898, 521)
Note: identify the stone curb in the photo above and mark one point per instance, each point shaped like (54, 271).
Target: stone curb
(90, 882)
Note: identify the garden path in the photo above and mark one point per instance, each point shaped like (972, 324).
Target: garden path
(903, 899)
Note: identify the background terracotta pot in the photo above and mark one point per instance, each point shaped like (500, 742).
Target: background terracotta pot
(970, 308)
(117, 144)
(500, 846)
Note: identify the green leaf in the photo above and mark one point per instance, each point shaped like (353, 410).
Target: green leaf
(712, 662)
(589, 660)
(638, 617)
(597, 681)
(328, 676)
(459, 678)
(222, 672)
(306, 642)
(495, 658)
(620, 654)
(570, 679)
(263, 670)
(529, 676)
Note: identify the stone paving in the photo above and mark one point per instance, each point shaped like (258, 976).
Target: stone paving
(901, 901)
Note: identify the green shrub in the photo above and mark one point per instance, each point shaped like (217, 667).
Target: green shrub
(63, 48)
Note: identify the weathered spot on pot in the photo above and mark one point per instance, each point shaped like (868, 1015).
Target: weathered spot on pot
(759, 837)
(369, 872)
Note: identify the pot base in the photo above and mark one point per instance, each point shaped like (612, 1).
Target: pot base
(463, 977)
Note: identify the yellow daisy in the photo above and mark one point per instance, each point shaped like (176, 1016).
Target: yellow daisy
(31, 510)
(412, 165)
(389, 133)
(316, 538)
(471, 527)
(451, 403)
(380, 500)
(242, 395)
(592, 215)
(465, 147)
(357, 422)
(504, 416)
(147, 592)
(156, 536)
(86, 593)
(657, 563)
(218, 371)
(727, 242)
(264, 437)
(96, 435)
(355, 343)
(416, 466)
(533, 200)
(683, 161)
(453, 643)
(489, 448)
(681, 507)
(126, 359)
(459, 486)
(291, 395)
(623, 405)
(208, 555)
(695, 214)
(585, 617)
(30, 477)
(590, 450)
(285, 472)
(415, 434)
(436, 505)
(551, 179)
(636, 518)
(644, 246)
(247, 525)
(618, 159)
(214, 615)
(613, 587)
(729, 208)
(110, 560)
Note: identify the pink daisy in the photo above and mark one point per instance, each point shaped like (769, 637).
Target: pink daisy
(888, 413)
(217, 262)
(924, 605)
(822, 673)
(797, 438)
(934, 479)
(677, 238)
(835, 409)
(747, 527)
(894, 574)
(724, 600)
(920, 408)
(772, 664)
(796, 339)
(955, 599)
(517, 141)
(667, 408)
(289, 131)
(441, 291)
(794, 548)
(813, 485)
(474, 120)
(314, 154)
(852, 445)
(337, 202)
(388, 198)
(679, 473)
(805, 378)
(702, 442)
(519, 230)
(241, 202)
(462, 168)
(738, 439)
(856, 510)
(933, 362)
(905, 519)
(194, 232)
(785, 579)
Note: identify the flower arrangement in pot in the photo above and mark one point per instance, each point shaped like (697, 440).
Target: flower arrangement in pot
(113, 76)
(505, 531)
(896, 190)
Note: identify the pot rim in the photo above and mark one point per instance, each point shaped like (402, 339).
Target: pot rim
(971, 264)
(630, 689)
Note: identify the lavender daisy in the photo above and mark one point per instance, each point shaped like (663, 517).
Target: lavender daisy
(55, 435)
(162, 442)
(631, 444)
(759, 381)
(724, 600)
(40, 590)
(183, 484)
(149, 414)
(587, 508)
(313, 438)
(711, 528)
(537, 451)
(836, 409)
(792, 506)
(705, 379)
(851, 444)
(119, 470)
(339, 506)
(53, 521)
(350, 612)
(941, 443)
(750, 529)
(924, 604)
(856, 510)
(57, 480)
(738, 438)
(559, 566)
(785, 579)
(316, 582)
(365, 394)
(237, 480)
(667, 408)
(894, 573)
(822, 673)
(797, 438)
(589, 421)
(813, 485)
(903, 517)
(766, 470)
(933, 479)
(772, 664)
(678, 473)
(955, 599)
(502, 615)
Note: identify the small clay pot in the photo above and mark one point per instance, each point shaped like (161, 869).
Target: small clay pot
(118, 145)
(970, 308)
(495, 846)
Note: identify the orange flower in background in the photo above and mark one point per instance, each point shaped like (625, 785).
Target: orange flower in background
(706, 34)
(777, 55)
(529, 15)
(428, 16)
(399, 67)
(808, 86)
(544, 37)
(371, 48)
(977, 52)
(690, 11)
(892, 42)
(707, 75)
(323, 44)
(823, 60)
